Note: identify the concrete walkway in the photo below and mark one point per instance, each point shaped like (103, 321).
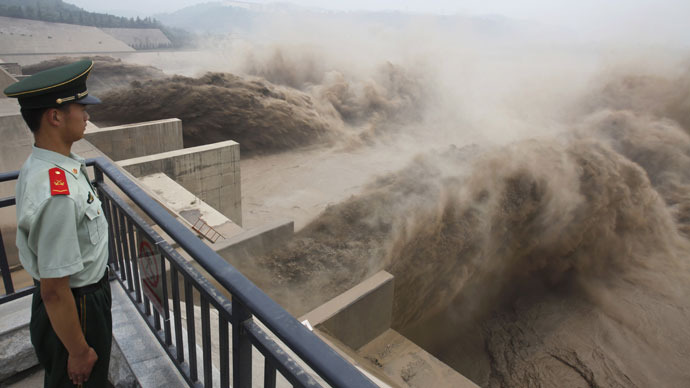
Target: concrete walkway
(33, 378)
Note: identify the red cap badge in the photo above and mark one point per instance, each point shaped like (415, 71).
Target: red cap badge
(58, 182)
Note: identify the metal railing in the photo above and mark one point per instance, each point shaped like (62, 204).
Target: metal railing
(154, 275)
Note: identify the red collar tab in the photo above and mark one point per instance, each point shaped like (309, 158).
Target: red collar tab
(58, 182)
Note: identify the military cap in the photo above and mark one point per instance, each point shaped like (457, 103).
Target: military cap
(53, 87)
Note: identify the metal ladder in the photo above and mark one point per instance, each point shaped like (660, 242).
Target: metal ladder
(206, 230)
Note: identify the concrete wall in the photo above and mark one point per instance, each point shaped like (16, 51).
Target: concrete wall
(6, 79)
(16, 142)
(16, 147)
(211, 172)
(135, 140)
(8, 229)
(140, 38)
(9, 107)
(358, 315)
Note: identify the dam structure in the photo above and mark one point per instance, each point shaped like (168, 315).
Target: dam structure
(184, 313)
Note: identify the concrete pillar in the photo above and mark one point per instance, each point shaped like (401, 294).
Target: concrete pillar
(135, 140)
(241, 249)
(358, 315)
(211, 172)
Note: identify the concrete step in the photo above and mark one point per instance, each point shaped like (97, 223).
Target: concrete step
(16, 352)
(30, 378)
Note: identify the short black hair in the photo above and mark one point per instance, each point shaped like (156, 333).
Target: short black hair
(32, 117)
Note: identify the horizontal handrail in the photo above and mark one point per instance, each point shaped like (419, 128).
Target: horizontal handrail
(9, 176)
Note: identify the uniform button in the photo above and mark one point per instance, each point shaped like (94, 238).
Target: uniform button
(99, 212)
(74, 170)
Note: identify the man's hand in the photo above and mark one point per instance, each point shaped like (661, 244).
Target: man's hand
(79, 365)
(62, 311)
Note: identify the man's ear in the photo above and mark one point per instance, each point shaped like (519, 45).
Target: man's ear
(53, 116)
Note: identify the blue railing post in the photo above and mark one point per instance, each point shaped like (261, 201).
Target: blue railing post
(98, 174)
(241, 347)
(5, 269)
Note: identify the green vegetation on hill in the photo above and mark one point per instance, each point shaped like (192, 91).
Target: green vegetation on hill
(60, 12)
(57, 11)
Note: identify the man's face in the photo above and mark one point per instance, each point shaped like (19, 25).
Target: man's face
(75, 118)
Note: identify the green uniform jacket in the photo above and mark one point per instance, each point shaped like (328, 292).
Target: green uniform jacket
(63, 234)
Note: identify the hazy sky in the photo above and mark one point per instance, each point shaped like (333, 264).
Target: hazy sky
(640, 15)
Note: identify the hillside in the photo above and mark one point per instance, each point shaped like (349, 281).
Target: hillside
(57, 11)
(60, 12)
(217, 18)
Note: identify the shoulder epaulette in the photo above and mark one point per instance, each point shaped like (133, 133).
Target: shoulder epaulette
(58, 182)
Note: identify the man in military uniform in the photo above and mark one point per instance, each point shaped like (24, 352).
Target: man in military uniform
(62, 233)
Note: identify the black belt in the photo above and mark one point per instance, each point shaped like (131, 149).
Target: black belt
(88, 289)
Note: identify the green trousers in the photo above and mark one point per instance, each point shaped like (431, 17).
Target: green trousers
(96, 321)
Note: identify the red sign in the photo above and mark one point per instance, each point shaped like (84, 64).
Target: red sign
(151, 273)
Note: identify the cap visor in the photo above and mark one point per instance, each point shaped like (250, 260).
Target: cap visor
(89, 100)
